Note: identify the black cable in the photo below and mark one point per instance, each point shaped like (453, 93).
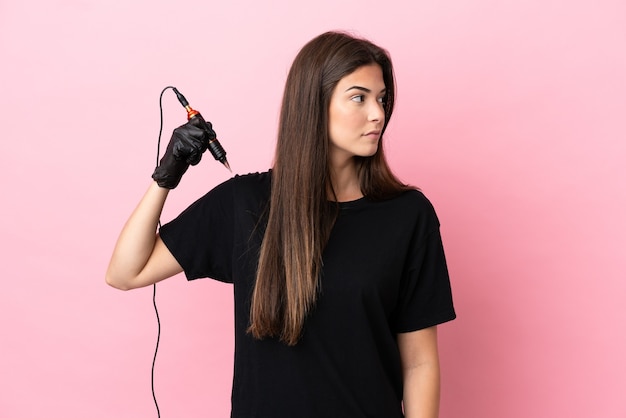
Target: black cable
(156, 310)
(156, 349)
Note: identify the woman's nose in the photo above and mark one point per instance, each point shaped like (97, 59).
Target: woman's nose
(376, 112)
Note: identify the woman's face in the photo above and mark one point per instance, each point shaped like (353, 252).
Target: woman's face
(356, 114)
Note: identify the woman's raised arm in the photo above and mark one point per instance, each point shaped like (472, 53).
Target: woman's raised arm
(140, 258)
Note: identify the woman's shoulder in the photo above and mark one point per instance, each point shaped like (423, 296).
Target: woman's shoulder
(253, 180)
(252, 185)
(413, 204)
(413, 198)
(255, 177)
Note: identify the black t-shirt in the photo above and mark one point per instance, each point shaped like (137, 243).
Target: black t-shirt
(384, 272)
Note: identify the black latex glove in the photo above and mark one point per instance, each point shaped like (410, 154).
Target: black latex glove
(185, 148)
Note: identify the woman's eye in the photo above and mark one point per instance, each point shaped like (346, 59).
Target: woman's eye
(381, 100)
(359, 99)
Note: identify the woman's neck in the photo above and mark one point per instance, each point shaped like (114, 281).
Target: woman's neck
(345, 181)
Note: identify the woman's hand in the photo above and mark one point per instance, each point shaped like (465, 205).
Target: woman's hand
(185, 148)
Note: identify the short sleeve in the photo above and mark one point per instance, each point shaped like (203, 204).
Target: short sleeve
(201, 237)
(425, 293)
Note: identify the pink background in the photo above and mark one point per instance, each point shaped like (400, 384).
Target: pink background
(511, 118)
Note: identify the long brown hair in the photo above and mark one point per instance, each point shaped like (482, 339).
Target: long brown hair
(300, 217)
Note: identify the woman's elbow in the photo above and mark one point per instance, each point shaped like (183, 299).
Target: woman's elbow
(117, 283)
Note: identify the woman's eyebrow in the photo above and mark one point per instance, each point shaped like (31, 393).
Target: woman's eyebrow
(365, 89)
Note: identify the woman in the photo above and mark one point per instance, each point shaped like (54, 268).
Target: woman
(338, 268)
